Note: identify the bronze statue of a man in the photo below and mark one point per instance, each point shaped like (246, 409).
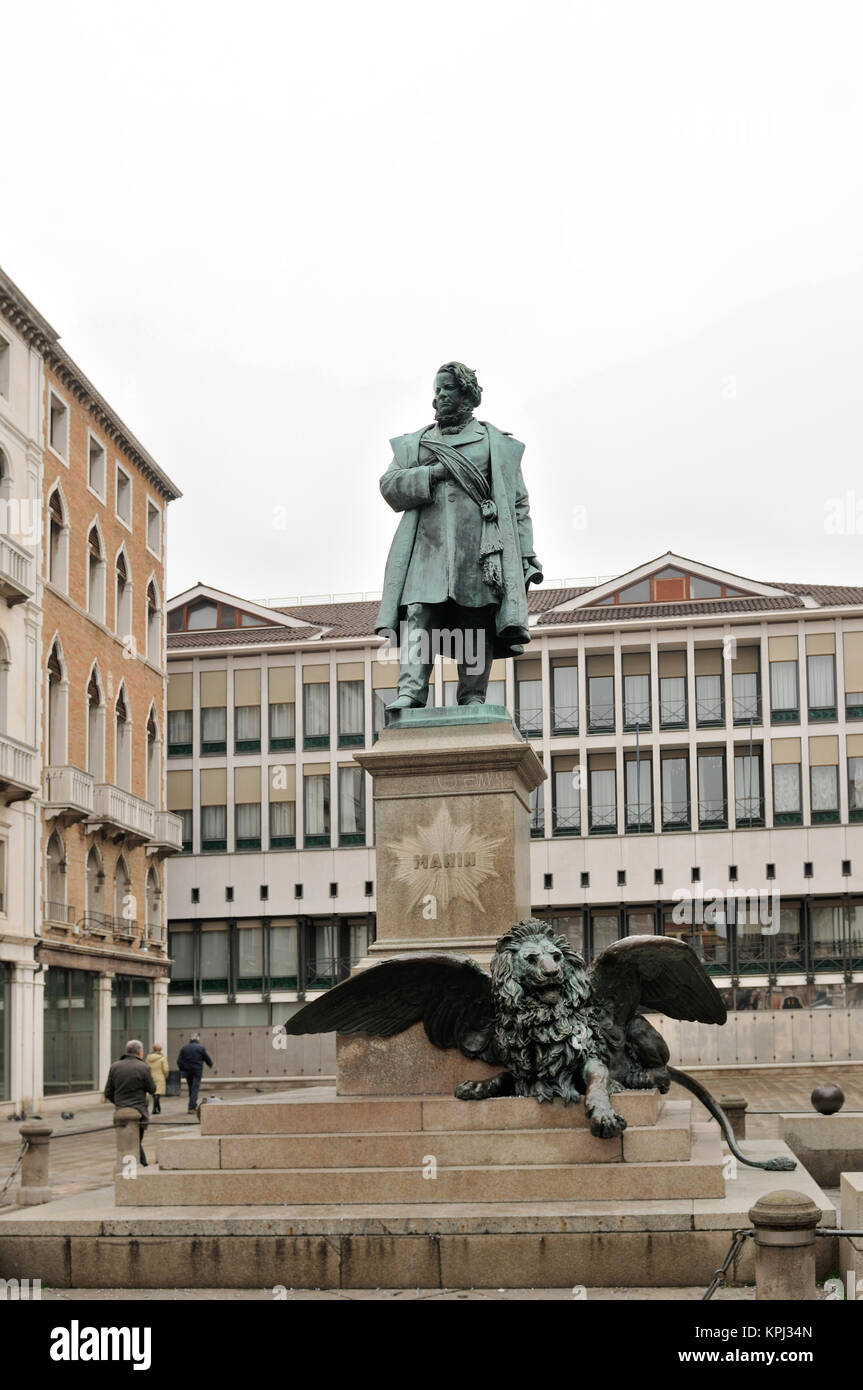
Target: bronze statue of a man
(462, 557)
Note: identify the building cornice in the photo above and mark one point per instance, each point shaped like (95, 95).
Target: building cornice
(44, 339)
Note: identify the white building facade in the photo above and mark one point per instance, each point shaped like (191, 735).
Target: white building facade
(703, 738)
(21, 389)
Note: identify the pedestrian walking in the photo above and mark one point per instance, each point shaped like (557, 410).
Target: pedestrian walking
(190, 1060)
(158, 1064)
(130, 1082)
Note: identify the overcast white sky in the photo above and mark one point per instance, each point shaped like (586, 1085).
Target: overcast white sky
(259, 229)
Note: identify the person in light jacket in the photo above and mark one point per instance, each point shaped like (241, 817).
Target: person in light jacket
(158, 1064)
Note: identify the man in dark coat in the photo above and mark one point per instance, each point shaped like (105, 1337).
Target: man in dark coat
(190, 1061)
(463, 556)
(130, 1082)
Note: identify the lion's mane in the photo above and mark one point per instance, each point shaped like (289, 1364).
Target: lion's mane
(544, 1043)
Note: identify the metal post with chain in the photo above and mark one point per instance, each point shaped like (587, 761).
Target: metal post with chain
(737, 1239)
(25, 1144)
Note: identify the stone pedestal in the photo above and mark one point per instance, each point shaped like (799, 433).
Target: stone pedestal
(452, 832)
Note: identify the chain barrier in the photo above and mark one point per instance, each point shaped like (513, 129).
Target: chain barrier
(25, 1144)
(737, 1239)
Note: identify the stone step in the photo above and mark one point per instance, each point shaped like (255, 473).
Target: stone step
(698, 1177)
(668, 1139)
(333, 1114)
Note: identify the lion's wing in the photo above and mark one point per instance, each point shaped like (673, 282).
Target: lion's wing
(450, 995)
(655, 972)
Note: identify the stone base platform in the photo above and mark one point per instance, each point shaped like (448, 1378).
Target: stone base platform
(317, 1190)
(87, 1241)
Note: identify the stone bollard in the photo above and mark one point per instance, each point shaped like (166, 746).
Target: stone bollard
(785, 1222)
(127, 1128)
(735, 1109)
(34, 1187)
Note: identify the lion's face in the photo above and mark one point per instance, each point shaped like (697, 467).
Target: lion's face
(537, 964)
(532, 960)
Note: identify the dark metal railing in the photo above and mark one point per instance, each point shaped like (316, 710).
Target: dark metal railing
(675, 815)
(749, 810)
(600, 718)
(636, 714)
(712, 810)
(564, 719)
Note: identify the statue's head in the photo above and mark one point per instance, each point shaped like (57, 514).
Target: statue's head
(531, 959)
(457, 393)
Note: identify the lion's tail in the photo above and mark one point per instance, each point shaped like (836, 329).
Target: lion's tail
(779, 1164)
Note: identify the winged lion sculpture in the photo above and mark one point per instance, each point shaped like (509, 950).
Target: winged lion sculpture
(558, 1028)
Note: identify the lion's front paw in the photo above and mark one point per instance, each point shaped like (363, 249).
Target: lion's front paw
(470, 1090)
(607, 1124)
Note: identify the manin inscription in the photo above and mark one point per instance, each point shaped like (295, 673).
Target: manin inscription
(446, 860)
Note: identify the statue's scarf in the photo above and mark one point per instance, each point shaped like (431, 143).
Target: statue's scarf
(474, 482)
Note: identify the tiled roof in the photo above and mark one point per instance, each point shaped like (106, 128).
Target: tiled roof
(240, 637)
(598, 613)
(335, 621)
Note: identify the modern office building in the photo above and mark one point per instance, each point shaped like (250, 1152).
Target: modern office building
(703, 738)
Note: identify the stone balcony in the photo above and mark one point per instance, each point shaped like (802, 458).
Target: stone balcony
(167, 834)
(68, 793)
(19, 776)
(121, 815)
(17, 572)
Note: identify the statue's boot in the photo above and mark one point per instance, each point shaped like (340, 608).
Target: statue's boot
(406, 702)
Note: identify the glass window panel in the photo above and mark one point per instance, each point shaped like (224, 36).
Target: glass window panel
(214, 822)
(639, 792)
(675, 791)
(351, 709)
(703, 588)
(283, 722)
(855, 784)
(247, 722)
(283, 819)
(567, 813)
(248, 820)
(605, 928)
(201, 615)
(316, 710)
(672, 700)
(250, 952)
(214, 954)
(179, 726)
(744, 694)
(603, 798)
(783, 685)
(636, 700)
(214, 724)
(825, 788)
(537, 810)
(352, 805)
(316, 804)
(529, 694)
(600, 702)
(786, 788)
(181, 947)
(283, 952)
(564, 680)
(708, 699)
(711, 787)
(635, 593)
(821, 677)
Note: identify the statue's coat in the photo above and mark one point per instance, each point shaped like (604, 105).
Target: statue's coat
(406, 486)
